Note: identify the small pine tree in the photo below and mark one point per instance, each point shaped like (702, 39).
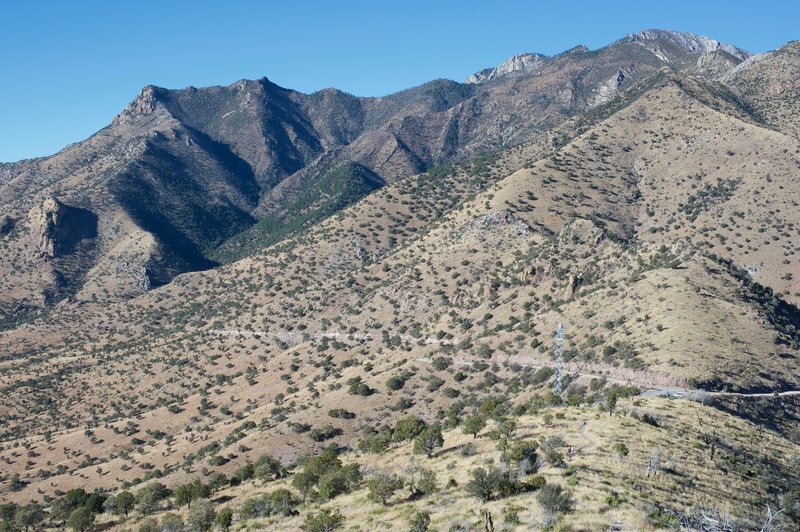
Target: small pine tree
(81, 519)
(474, 424)
(482, 483)
(429, 440)
(124, 502)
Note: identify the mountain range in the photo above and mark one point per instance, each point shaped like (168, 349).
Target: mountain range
(227, 270)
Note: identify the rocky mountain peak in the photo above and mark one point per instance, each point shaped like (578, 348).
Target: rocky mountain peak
(517, 63)
(791, 47)
(144, 104)
(580, 49)
(692, 42)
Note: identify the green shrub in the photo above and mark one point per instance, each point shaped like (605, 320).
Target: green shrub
(429, 440)
(420, 522)
(324, 521)
(408, 428)
(554, 499)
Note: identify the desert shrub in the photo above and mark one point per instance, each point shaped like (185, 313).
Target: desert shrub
(149, 497)
(374, 443)
(408, 428)
(256, 507)
(429, 440)
(268, 468)
(339, 481)
(450, 393)
(81, 519)
(442, 363)
(324, 521)
(536, 482)
(201, 516)
(325, 433)
(482, 483)
(194, 490)
(552, 449)
(621, 449)
(434, 383)
(420, 521)
(467, 450)
(171, 523)
(614, 499)
(224, 519)
(522, 454)
(382, 485)
(149, 525)
(395, 383)
(341, 413)
(554, 499)
(245, 472)
(123, 503)
(425, 482)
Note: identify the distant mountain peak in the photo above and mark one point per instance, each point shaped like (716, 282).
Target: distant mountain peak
(580, 49)
(143, 105)
(692, 42)
(519, 62)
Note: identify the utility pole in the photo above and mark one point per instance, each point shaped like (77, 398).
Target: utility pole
(558, 384)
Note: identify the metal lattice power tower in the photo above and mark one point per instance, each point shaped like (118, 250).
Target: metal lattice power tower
(557, 384)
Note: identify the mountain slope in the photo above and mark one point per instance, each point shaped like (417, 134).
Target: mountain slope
(258, 271)
(769, 83)
(181, 172)
(459, 308)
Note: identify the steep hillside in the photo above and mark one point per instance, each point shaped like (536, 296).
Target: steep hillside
(769, 82)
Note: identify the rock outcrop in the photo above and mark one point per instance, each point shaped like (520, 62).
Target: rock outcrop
(494, 224)
(691, 42)
(518, 63)
(55, 228)
(145, 104)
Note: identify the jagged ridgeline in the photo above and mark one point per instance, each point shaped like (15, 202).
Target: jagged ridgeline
(185, 179)
(261, 309)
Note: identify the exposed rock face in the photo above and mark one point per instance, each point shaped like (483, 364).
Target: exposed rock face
(527, 62)
(145, 104)
(55, 228)
(691, 42)
(42, 221)
(575, 281)
(582, 230)
(134, 267)
(610, 88)
(715, 64)
(495, 223)
(770, 83)
(536, 273)
(363, 254)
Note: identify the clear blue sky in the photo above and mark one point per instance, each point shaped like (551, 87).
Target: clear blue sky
(69, 66)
